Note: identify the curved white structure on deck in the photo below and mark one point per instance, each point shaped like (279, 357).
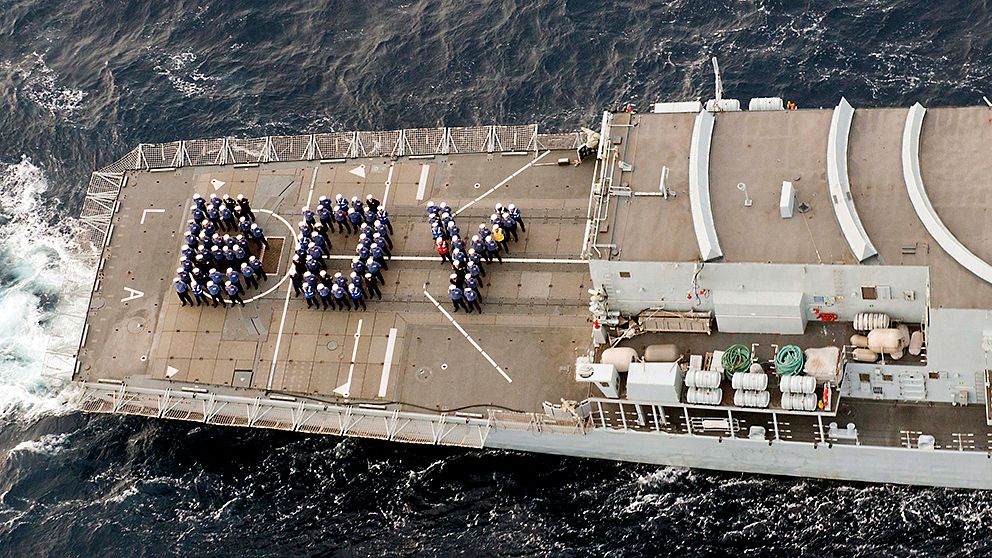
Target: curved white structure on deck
(699, 187)
(840, 187)
(921, 203)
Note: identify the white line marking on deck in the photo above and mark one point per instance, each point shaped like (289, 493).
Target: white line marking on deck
(505, 180)
(389, 182)
(282, 324)
(292, 234)
(147, 211)
(425, 169)
(467, 336)
(505, 260)
(344, 389)
(135, 293)
(313, 181)
(387, 361)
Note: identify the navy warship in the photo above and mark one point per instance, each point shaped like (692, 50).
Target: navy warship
(770, 289)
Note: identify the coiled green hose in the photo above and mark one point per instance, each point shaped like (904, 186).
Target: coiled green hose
(737, 358)
(789, 360)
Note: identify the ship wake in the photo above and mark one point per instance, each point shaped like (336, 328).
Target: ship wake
(43, 286)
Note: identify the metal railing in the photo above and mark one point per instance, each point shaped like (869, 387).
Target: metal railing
(359, 420)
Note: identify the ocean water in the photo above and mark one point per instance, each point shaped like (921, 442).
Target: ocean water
(83, 82)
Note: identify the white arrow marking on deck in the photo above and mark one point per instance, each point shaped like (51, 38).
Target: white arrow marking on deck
(134, 294)
(344, 389)
(470, 340)
(147, 211)
(505, 180)
(358, 171)
(217, 184)
(171, 371)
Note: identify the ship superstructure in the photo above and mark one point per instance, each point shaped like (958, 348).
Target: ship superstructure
(796, 292)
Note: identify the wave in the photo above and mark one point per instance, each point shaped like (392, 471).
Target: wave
(43, 281)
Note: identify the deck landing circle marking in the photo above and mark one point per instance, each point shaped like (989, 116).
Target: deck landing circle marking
(332, 345)
(284, 277)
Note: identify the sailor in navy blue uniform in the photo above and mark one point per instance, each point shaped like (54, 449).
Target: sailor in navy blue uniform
(357, 265)
(256, 266)
(183, 275)
(258, 234)
(324, 214)
(198, 294)
(372, 266)
(509, 225)
(325, 294)
(471, 283)
(308, 216)
(378, 240)
(182, 290)
(228, 217)
(341, 218)
(354, 219)
(313, 266)
(456, 298)
(376, 252)
(244, 225)
(340, 297)
(297, 281)
(476, 259)
(321, 243)
(249, 275)
(373, 286)
(383, 216)
(198, 201)
(234, 278)
(214, 290)
(216, 276)
(515, 214)
(233, 293)
(492, 249)
(357, 296)
(356, 204)
(246, 206)
(383, 231)
(357, 280)
(471, 300)
(310, 294)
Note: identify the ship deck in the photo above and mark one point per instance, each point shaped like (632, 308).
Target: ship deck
(404, 349)
(763, 149)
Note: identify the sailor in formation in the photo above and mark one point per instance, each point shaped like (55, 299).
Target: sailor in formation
(222, 234)
(488, 243)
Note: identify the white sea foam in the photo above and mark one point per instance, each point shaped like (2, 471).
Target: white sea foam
(182, 71)
(41, 86)
(42, 294)
(49, 444)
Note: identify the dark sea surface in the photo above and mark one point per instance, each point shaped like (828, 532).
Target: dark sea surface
(82, 82)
